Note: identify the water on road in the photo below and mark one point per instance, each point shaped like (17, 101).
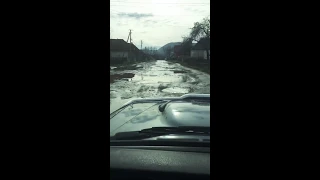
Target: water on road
(156, 79)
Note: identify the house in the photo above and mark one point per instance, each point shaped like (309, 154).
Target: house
(123, 51)
(201, 49)
(177, 50)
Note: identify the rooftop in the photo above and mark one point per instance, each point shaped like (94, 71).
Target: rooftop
(121, 45)
(203, 44)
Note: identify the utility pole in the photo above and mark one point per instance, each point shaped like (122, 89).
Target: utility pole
(130, 41)
(141, 44)
(129, 36)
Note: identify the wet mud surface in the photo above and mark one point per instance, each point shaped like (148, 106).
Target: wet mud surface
(154, 79)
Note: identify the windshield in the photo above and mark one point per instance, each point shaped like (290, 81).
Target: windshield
(158, 49)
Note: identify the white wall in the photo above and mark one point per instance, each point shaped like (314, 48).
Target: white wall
(119, 54)
(199, 54)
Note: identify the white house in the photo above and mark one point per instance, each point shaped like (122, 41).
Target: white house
(200, 49)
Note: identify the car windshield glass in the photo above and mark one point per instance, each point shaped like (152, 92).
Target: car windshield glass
(159, 49)
(164, 114)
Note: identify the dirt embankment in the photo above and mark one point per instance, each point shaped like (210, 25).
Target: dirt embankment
(200, 66)
(120, 76)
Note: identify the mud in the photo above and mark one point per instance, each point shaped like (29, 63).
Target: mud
(129, 67)
(114, 77)
(177, 71)
(155, 79)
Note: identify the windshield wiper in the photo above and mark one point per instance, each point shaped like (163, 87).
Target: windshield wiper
(179, 130)
(160, 131)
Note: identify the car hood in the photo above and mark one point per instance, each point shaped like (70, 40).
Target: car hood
(147, 115)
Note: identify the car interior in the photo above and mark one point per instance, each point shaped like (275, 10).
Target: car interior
(155, 160)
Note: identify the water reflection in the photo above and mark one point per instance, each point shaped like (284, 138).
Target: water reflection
(132, 112)
(144, 118)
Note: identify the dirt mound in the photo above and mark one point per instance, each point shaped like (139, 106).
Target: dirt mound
(179, 71)
(114, 77)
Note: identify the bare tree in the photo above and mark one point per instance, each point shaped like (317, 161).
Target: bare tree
(200, 30)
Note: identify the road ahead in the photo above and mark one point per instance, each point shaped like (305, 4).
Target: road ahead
(156, 79)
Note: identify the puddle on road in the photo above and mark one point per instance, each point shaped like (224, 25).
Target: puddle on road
(176, 90)
(159, 72)
(156, 79)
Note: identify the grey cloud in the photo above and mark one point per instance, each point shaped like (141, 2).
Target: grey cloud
(135, 15)
(149, 22)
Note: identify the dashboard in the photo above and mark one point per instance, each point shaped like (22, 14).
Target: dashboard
(159, 162)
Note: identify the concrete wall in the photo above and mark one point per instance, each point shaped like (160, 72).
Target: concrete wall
(199, 54)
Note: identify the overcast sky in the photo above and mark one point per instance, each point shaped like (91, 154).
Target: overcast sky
(155, 22)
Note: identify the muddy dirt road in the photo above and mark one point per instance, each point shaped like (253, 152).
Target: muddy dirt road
(155, 79)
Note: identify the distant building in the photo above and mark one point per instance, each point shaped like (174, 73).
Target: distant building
(123, 51)
(177, 50)
(200, 49)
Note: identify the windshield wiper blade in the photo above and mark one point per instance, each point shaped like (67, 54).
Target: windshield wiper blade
(135, 135)
(179, 130)
(160, 131)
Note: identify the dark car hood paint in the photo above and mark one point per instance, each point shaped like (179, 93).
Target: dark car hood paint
(147, 115)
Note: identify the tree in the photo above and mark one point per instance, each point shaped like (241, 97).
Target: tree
(186, 45)
(200, 30)
(168, 50)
